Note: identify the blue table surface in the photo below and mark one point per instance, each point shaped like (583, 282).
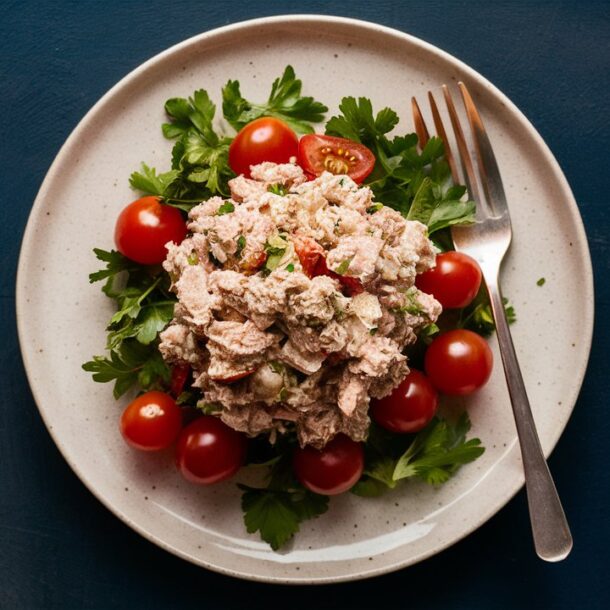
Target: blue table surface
(59, 547)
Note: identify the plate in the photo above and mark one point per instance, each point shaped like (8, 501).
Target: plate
(61, 317)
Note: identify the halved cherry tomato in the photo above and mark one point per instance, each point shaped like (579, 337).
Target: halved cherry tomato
(410, 407)
(331, 470)
(151, 422)
(454, 282)
(318, 153)
(144, 227)
(264, 139)
(313, 261)
(458, 362)
(208, 451)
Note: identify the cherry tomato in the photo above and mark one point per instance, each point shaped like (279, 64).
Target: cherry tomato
(264, 139)
(331, 470)
(454, 282)
(318, 153)
(208, 451)
(410, 407)
(151, 422)
(458, 362)
(144, 227)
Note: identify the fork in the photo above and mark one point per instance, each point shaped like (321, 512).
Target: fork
(487, 241)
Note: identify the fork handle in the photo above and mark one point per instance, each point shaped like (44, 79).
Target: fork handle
(552, 537)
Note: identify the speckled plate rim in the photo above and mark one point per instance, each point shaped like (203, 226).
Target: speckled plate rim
(582, 252)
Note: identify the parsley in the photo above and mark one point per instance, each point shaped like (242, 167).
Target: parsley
(478, 316)
(241, 244)
(344, 266)
(277, 511)
(226, 208)
(541, 282)
(290, 267)
(438, 451)
(275, 247)
(277, 189)
(285, 102)
(200, 163)
(417, 185)
(193, 258)
(144, 308)
(130, 364)
(374, 208)
(434, 455)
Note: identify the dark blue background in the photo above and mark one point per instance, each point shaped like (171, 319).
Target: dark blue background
(59, 548)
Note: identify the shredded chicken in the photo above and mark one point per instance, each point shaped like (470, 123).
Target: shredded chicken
(294, 309)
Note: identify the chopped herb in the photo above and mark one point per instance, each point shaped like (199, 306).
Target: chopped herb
(193, 258)
(226, 208)
(290, 267)
(428, 332)
(278, 189)
(374, 208)
(344, 266)
(373, 331)
(541, 282)
(208, 408)
(241, 244)
(277, 367)
(275, 247)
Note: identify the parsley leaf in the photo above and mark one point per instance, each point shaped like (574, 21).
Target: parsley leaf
(278, 514)
(277, 510)
(433, 455)
(541, 282)
(150, 183)
(439, 212)
(438, 451)
(344, 266)
(285, 102)
(132, 363)
(478, 316)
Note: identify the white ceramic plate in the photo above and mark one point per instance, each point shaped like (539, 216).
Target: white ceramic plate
(62, 318)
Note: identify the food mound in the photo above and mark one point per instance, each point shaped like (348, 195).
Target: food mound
(296, 299)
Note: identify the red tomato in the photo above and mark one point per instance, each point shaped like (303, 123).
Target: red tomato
(410, 407)
(180, 374)
(265, 139)
(151, 422)
(454, 282)
(144, 227)
(208, 451)
(311, 257)
(319, 153)
(458, 362)
(332, 470)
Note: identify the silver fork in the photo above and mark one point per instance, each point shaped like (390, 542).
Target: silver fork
(487, 241)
